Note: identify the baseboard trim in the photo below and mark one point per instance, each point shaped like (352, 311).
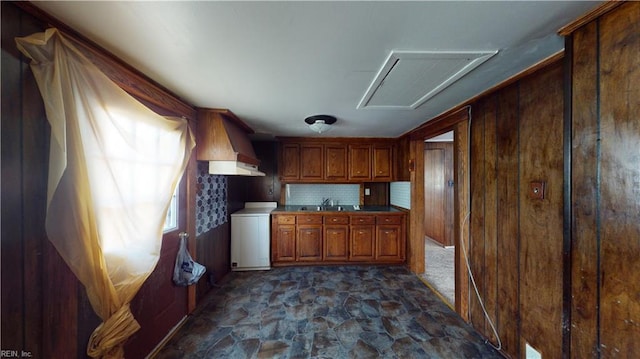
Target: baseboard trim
(433, 289)
(167, 337)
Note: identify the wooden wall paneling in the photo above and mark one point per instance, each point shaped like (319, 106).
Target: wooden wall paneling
(619, 212)
(214, 253)
(265, 188)
(584, 186)
(401, 159)
(492, 220)
(60, 311)
(13, 325)
(476, 248)
(541, 222)
(507, 314)
(190, 177)
(35, 150)
(379, 194)
(415, 239)
(461, 209)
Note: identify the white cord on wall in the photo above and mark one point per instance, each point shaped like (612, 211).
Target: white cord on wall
(464, 251)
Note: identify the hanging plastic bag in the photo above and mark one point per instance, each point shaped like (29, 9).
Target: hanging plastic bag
(186, 270)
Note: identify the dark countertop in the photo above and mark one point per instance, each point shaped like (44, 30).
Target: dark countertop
(309, 209)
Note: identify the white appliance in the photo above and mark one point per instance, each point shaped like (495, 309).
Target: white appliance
(250, 236)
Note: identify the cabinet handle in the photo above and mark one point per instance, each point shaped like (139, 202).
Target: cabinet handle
(334, 220)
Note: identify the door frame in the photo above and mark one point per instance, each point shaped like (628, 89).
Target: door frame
(458, 122)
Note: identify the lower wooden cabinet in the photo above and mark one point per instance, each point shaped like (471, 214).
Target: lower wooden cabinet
(389, 243)
(336, 243)
(337, 238)
(362, 243)
(283, 228)
(309, 242)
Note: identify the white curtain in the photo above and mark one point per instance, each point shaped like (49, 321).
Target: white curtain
(113, 167)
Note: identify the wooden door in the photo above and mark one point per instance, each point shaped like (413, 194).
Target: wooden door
(359, 162)
(382, 163)
(290, 161)
(285, 243)
(361, 242)
(388, 243)
(309, 242)
(311, 162)
(438, 192)
(335, 162)
(160, 304)
(336, 242)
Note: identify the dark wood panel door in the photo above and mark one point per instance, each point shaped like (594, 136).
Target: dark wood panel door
(362, 245)
(438, 192)
(160, 304)
(311, 162)
(336, 243)
(309, 243)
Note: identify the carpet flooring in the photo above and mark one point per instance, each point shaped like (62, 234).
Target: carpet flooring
(439, 269)
(325, 312)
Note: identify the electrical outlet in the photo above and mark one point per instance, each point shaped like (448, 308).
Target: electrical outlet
(536, 190)
(367, 192)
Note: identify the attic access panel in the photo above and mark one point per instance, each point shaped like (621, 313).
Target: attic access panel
(408, 78)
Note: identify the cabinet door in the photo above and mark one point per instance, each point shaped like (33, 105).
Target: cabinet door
(362, 243)
(336, 246)
(309, 244)
(335, 162)
(290, 162)
(389, 243)
(359, 162)
(311, 162)
(382, 163)
(284, 243)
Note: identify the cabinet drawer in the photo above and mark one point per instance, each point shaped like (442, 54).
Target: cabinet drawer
(382, 219)
(286, 219)
(336, 219)
(363, 220)
(309, 219)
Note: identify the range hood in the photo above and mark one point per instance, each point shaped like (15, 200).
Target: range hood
(222, 140)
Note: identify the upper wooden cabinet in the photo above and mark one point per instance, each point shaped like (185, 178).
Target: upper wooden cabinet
(335, 156)
(311, 162)
(360, 162)
(337, 160)
(289, 164)
(382, 163)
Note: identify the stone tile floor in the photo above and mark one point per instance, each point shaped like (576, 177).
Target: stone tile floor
(325, 312)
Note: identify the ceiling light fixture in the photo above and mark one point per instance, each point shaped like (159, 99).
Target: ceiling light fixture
(320, 123)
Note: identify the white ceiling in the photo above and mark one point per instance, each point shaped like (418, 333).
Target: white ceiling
(275, 63)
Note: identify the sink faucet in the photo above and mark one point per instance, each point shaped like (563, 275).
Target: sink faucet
(325, 201)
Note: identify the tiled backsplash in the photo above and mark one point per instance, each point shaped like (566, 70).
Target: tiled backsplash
(400, 194)
(313, 194)
(211, 199)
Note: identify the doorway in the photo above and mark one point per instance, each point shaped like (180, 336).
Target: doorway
(438, 223)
